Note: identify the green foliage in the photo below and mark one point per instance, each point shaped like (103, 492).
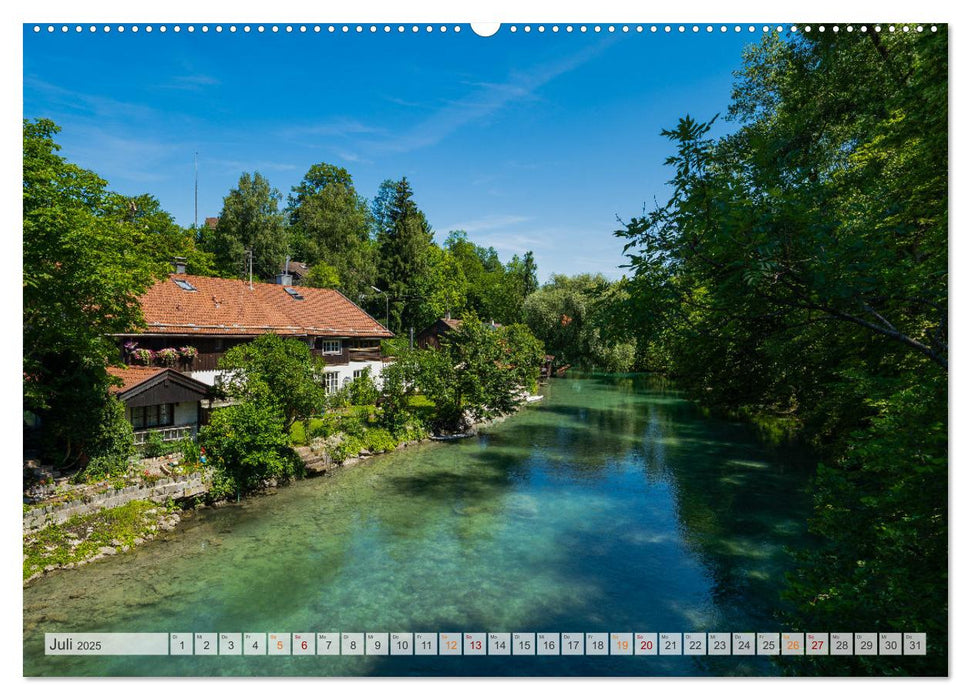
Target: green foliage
(280, 370)
(800, 270)
(163, 239)
(362, 391)
(478, 372)
(246, 445)
(83, 536)
(322, 276)
(890, 488)
(111, 444)
(331, 230)
(84, 265)
(189, 450)
(403, 237)
(582, 322)
(155, 446)
(441, 290)
(250, 220)
(492, 290)
(398, 383)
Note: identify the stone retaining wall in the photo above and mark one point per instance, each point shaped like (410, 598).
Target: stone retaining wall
(162, 490)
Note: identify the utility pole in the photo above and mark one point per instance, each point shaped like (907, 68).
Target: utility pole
(387, 319)
(195, 218)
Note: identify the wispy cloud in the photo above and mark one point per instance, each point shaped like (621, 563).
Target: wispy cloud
(491, 222)
(249, 165)
(485, 100)
(139, 160)
(513, 242)
(89, 104)
(351, 157)
(403, 102)
(341, 127)
(192, 83)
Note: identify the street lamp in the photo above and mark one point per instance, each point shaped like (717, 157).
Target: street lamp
(387, 319)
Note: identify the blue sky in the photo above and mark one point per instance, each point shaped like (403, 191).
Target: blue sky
(531, 141)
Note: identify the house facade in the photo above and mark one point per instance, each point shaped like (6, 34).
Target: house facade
(160, 400)
(431, 337)
(191, 321)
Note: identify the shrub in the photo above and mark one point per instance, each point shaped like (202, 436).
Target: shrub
(246, 444)
(339, 399)
(363, 391)
(155, 446)
(113, 443)
(189, 449)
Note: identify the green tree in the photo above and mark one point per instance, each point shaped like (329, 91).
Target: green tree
(246, 444)
(575, 317)
(322, 276)
(112, 442)
(493, 290)
(331, 225)
(164, 240)
(280, 370)
(362, 391)
(441, 290)
(478, 372)
(403, 239)
(800, 269)
(84, 267)
(251, 220)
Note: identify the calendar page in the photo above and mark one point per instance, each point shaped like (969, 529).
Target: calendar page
(531, 349)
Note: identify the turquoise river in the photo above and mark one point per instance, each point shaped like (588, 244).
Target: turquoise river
(613, 505)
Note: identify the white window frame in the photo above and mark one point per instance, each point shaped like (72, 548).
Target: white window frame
(330, 347)
(358, 373)
(331, 382)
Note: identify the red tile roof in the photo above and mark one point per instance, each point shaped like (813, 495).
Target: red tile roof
(298, 269)
(132, 376)
(230, 307)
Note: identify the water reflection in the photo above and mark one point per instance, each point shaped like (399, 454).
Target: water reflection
(613, 505)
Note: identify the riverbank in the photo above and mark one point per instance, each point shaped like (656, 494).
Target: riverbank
(605, 503)
(85, 538)
(99, 520)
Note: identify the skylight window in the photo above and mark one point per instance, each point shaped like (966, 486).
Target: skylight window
(293, 292)
(186, 286)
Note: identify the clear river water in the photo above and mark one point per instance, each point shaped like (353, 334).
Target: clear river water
(613, 505)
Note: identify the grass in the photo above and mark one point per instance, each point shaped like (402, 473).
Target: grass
(82, 536)
(298, 431)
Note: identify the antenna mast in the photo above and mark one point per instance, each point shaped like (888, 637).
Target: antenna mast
(195, 218)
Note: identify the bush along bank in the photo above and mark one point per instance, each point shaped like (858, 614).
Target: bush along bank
(268, 434)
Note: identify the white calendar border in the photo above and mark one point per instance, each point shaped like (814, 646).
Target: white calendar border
(11, 649)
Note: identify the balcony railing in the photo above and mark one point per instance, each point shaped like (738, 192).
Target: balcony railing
(170, 433)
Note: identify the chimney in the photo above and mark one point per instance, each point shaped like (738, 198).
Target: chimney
(285, 278)
(178, 266)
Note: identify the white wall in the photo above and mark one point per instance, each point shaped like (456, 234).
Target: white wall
(343, 372)
(206, 376)
(186, 413)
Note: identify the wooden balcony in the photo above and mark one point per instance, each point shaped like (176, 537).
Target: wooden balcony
(350, 355)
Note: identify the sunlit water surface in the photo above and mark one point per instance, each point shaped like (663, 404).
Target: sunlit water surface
(611, 506)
